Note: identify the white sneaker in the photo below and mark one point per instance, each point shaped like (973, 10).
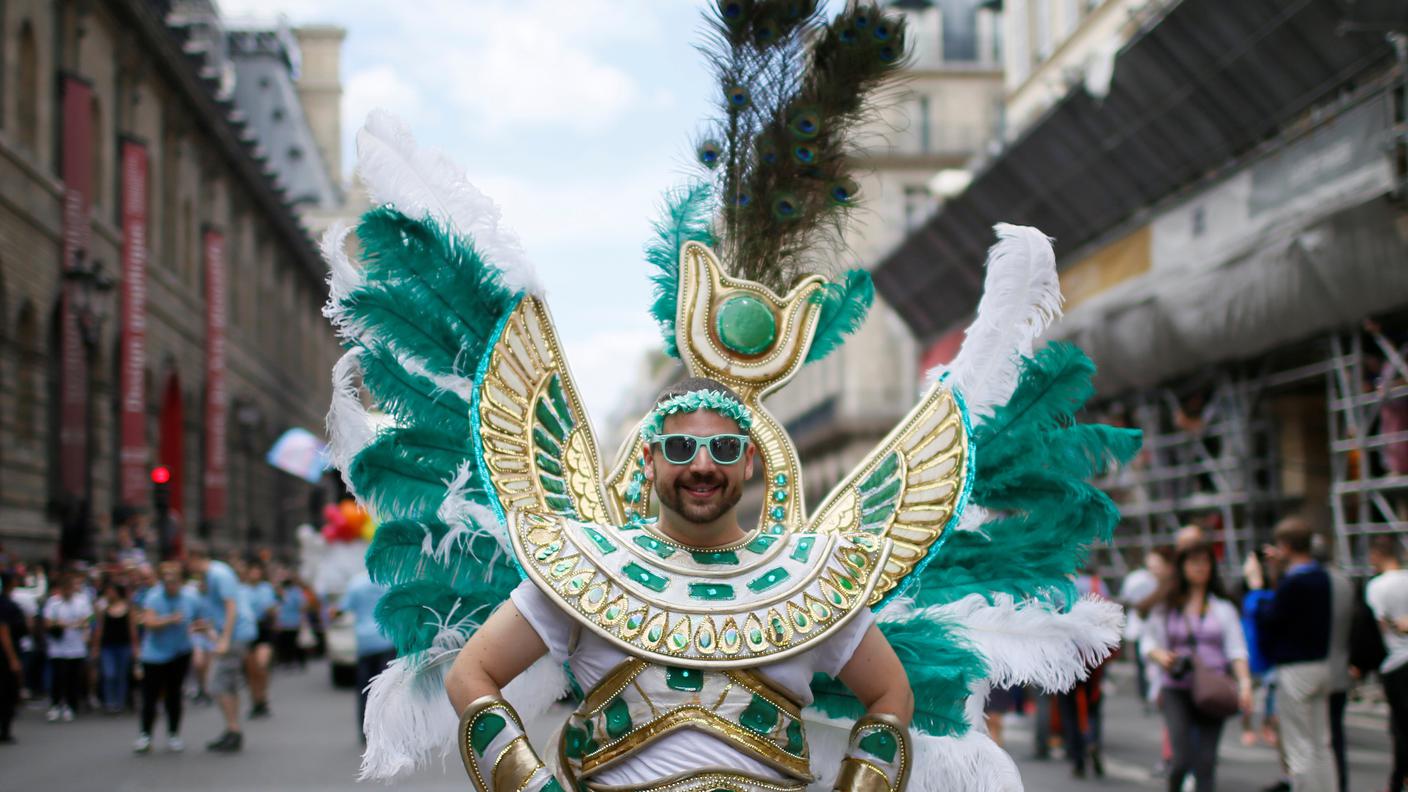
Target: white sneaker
(67, 715)
(53, 714)
(143, 744)
(175, 744)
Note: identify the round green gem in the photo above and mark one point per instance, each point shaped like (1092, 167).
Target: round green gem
(745, 325)
(777, 528)
(779, 495)
(778, 512)
(780, 479)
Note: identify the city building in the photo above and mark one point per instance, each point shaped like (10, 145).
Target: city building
(945, 108)
(1225, 187)
(159, 292)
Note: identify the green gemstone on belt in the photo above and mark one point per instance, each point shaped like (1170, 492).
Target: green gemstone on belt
(645, 577)
(618, 718)
(574, 742)
(796, 742)
(714, 557)
(768, 579)
(746, 325)
(879, 743)
(654, 545)
(710, 591)
(690, 680)
(760, 716)
(486, 727)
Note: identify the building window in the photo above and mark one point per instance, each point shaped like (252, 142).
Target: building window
(96, 138)
(959, 21)
(27, 106)
(926, 126)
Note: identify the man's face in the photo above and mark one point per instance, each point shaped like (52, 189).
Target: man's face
(701, 491)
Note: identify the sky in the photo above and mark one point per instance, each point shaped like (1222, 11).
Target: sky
(575, 115)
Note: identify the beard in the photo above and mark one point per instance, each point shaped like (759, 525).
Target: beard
(692, 509)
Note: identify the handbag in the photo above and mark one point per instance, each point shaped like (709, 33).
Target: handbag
(1214, 690)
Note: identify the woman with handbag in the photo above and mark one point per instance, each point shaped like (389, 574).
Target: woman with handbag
(1195, 636)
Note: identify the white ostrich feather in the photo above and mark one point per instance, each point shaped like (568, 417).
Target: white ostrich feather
(1021, 296)
(350, 427)
(424, 183)
(467, 519)
(343, 275)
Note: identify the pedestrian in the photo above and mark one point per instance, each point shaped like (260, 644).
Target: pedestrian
(1342, 601)
(1138, 586)
(230, 623)
(1080, 707)
(374, 651)
(263, 600)
(1195, 626)
(12, 630)
(1387, 595)
(1293, 626)
(114, 647)
(67, 615)
(287, 624)
(168, 610)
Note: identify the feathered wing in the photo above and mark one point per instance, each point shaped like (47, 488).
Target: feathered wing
(479, 414)
(992, 602)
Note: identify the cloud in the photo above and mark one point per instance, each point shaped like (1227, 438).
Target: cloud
(605, 366)
(379, 86)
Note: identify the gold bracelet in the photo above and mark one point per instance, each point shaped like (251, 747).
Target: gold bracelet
(497, 756)
(879, 756)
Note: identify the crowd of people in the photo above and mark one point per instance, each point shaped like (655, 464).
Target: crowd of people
(1278, 653)
(132, 637)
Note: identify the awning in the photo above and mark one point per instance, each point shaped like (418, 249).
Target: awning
(1331, 274)
(1208, 83)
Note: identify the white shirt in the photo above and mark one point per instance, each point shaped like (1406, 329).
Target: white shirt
(1137, 586)
(71, 644)
(1387, 596)
(683, 750)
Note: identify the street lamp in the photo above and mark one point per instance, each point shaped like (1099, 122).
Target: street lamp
(88, 286)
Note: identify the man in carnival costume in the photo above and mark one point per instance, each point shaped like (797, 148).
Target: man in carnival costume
(704, 650)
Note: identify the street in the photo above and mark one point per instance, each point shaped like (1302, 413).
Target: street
(310, 744)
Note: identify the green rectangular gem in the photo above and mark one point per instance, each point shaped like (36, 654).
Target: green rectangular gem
(768, 579)
(689, 680)
(803, 550)
(645, 577)
(654, 545)
(714, 557)
(602, 543)
(710, 591)
(761, 544)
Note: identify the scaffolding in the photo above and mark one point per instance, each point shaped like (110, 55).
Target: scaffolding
(1208, 458)
(1367, 404)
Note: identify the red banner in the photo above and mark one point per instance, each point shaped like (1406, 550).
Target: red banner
(77, 175)
(216, 402)
(132, 443)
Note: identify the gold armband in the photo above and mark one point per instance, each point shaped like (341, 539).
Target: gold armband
(497, 756)
(879, 756)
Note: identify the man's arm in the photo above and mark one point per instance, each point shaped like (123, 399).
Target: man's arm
(497, 652)
(874, 673)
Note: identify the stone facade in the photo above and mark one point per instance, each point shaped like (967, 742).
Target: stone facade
(201, 175)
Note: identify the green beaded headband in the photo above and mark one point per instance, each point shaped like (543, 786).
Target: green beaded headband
(694, 401)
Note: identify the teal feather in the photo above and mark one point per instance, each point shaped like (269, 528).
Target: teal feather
(397, 555)
(403, 472)
(844, 307)
(1032, 465)
(942, 668)
(411, 398)
(411, 614)
(686, 217)
(406, 327)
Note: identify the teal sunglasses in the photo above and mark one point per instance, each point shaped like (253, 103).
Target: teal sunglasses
(680, 449)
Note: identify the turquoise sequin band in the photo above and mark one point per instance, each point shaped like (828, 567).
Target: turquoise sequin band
(694, 401)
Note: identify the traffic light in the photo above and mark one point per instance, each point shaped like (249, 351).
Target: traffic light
(161, 506)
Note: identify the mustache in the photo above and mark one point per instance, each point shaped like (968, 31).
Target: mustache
(700, 481)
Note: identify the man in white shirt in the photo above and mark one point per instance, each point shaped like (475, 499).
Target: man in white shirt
(67, 615)
(1387, 595)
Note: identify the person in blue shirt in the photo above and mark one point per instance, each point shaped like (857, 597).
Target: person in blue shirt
(374, 651)
(1293, 628)
(288, 621)
(262, 600)
(230, 621)
(167, 612)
